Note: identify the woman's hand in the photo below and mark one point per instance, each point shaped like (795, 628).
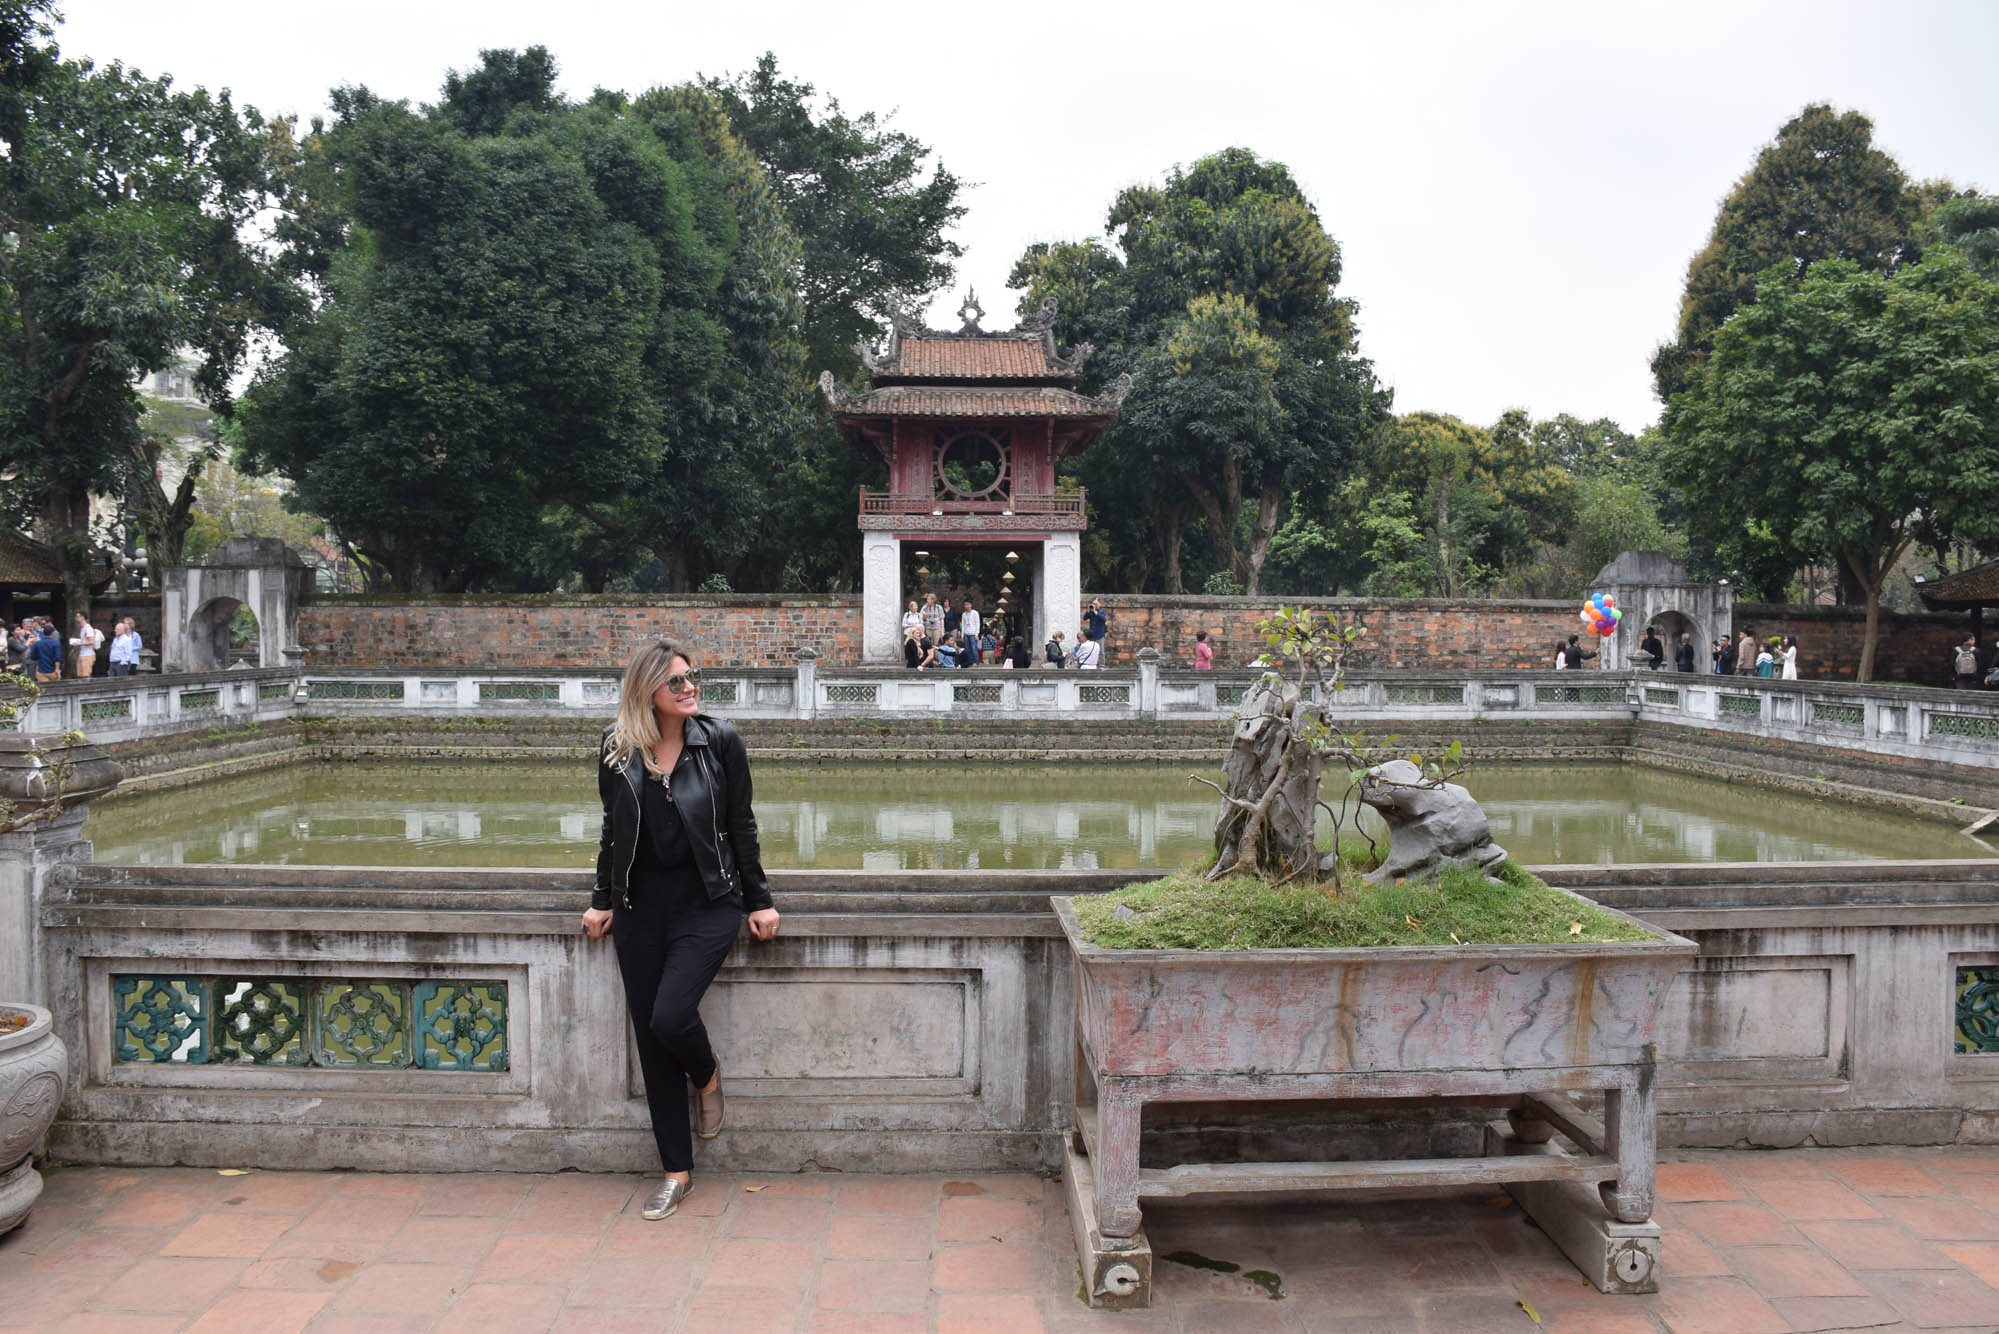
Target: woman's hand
(597, 923)
(763, 923)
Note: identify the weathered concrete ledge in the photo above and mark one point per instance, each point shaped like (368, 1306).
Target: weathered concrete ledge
(921, 1021)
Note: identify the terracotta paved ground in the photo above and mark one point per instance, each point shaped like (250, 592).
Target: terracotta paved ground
(1804, 1239)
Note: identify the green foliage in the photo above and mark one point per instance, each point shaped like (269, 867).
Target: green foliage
(1458, 907)
(1220, 303)
(129, 207)
(1971, 224)
(1855, 413)
(1821, 190)
(1221, 584)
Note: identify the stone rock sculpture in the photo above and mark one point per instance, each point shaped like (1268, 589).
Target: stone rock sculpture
(1430, 824)
(1265, 749)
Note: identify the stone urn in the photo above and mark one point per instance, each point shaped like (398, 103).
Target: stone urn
(33, 1064)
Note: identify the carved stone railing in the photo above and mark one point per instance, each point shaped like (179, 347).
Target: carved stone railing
(918, 502)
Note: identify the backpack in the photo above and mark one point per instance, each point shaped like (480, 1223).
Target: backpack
(1967, 660)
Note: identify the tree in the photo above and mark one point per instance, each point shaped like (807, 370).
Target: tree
(183, 436)
(1856, 413)
(1248, 387)
(1971, 223)
(1819, 191)
(129, 209)
(534, 315)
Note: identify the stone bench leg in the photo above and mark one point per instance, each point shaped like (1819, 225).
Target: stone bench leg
(1629, 1136)
(1115, 1163)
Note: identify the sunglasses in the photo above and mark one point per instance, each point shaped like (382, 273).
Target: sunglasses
(682, 682)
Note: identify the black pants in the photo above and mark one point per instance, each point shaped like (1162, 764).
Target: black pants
(671, 943)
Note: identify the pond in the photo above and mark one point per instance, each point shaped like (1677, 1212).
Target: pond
(956, 815)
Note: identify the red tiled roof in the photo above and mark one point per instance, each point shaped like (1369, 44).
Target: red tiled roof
(972, 359)
(24, 561)
(915, 400)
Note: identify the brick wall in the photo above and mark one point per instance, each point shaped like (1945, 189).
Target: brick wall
(768, 631)
(557, 631)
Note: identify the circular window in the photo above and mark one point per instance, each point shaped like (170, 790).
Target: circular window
(970, 465)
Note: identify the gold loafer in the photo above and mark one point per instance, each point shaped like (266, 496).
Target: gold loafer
(708, 1108)
(666, 1199)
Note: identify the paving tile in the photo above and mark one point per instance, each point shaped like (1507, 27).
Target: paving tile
(989, 1266)
(1884, 1176)
(1938, 1298)
(679, 1237)
(383, 1185)
(1980, 1257)
(1683, 1182)
(979, 1217)
(879, 1237)
(797, 1186)
(152, 1207)
(503, 1308)
(360, 1216)
(751, 1262)
(1716, 1306)
(887, 1195)
(1017, 1187)
(1803, 1198)
(116, 1322)
(1794, 1271)
(104, 1252)
(1817, 1313)
(993, 1315)
(596, 1320)
(874, 1285)
(494, 1196)
(354, 1250)
(1737, 1225)
(452, 1241)
(633, 1283)
(402, 1287)
(1239, 1317)
(1768, 1164)
(536, 1260)
(1867, 1246)
(163, 1283)
(778, 1219)
(867, 1322)
(278, 1192)
(1683, 1255)
(302, 1273)
(1627, 1318)
(734, 1310)
(1942, 1218)
(231, 1235)
(37, 1300)
(374, 1322)
(1982, 1191)
(262, 1312)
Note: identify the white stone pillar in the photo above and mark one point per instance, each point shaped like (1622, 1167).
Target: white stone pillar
(881, 597)
(1059, 591)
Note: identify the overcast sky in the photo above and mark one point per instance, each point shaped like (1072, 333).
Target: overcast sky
(1516, 188)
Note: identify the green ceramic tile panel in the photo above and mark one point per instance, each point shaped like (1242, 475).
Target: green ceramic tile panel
(361, 1024)
(159, 1019)
(1978, 1009)
(461, 1025)
(260, 1020)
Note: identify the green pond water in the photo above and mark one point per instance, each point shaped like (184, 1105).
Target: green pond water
(954, 816)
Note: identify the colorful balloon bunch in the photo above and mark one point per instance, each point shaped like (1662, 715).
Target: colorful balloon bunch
(1601, 615)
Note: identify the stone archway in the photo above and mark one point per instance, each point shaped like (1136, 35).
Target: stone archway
(197, 602)
(1673, 624)
(208, 634)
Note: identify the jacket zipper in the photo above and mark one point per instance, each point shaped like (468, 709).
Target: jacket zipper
(715, 817)
(638, 828)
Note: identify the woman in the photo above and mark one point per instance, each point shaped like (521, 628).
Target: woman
(912, 618)
(912, 645)
(1789, 658)
(677, 869)
(1204, 653)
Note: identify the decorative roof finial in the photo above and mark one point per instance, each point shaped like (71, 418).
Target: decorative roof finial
(971, 312)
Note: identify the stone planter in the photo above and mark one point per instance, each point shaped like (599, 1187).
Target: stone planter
(32, 1066)
(1519, 1027)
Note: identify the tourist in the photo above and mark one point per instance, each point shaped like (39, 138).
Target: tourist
(912, 644)
(1204, 654)
(989, 644)
(952, 619)
(87, 640)
(678, 870)
(1766, 662)
(1964, 663)
(1055, 652)
(1720, 655)
(1683, 654)
(933, 618)
(1576, 655)
(1652, 647)
(1089, 654)
(926, 653)
(17, 648)
(912, 617)
(950, 650)
(124, 649)
(45, 653)
(1789, 658)
(1745, 655)
(968, 625)
(1017, 656)
(1095, 622)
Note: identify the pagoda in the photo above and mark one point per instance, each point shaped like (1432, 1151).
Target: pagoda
(972, 426)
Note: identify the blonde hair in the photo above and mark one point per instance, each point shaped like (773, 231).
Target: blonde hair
(635, 728)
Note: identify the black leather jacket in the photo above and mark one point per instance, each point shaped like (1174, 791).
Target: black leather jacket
(713, 793)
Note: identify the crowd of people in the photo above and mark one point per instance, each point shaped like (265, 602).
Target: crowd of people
(935, 634)
(36, 649)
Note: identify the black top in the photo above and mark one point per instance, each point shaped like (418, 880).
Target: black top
(664, 848)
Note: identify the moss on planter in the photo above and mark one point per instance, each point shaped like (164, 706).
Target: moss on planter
(1459, 907)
